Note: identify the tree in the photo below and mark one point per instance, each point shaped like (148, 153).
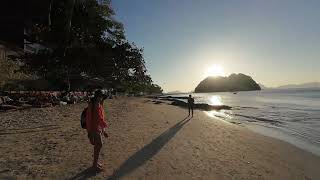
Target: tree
(83, 37)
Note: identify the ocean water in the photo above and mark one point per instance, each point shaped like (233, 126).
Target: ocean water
(290, 115)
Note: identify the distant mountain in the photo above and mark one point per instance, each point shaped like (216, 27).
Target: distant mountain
(175, 92)
(301, 86)
(234, 82)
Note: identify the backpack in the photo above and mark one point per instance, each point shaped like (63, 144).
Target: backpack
(83, 119)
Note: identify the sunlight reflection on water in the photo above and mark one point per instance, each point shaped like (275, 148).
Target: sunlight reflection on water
(215, 100)
(220, 114)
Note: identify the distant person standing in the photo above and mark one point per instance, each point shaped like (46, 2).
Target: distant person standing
(190, 104)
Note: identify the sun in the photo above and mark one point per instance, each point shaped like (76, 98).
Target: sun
(214, 70)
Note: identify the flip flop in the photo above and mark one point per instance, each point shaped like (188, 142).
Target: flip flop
(97, 168)
(100, 165)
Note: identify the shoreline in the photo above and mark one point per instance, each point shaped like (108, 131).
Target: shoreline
(148, 140)
(279, 135)
(269, 129)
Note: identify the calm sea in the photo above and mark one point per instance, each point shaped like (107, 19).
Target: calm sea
(289, 115)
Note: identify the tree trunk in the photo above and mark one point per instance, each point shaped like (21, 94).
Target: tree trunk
(69, 24)
(49, 17)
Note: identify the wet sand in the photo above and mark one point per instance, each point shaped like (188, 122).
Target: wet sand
(147, 141)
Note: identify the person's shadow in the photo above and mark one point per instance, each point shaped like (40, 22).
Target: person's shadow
(148, 151)
(140, 157)
(85, 174)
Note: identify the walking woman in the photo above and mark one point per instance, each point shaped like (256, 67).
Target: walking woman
(96, 125)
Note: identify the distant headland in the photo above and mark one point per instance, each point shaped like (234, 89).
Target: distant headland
(234, 82)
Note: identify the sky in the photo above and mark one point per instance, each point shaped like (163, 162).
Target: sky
(276, 42)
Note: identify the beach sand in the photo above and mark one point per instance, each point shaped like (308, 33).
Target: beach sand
(147, 141)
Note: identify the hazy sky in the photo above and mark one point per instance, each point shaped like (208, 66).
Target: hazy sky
(276, 42)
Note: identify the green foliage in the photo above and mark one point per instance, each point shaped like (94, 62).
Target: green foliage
(84, 38)
(154, 89)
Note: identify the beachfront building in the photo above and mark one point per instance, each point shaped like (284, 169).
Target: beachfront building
(7, 50)
(31, 47)
(18, 20)
(3, 53)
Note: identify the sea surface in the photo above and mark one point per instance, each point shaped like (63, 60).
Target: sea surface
(290, 115)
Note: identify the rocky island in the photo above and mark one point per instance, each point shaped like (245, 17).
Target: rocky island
(234, 82)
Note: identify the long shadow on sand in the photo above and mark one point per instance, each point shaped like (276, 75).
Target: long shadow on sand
(148, 151)
(85, 174)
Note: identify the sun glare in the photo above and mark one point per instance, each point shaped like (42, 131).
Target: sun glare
(215, 100)
(215, 70)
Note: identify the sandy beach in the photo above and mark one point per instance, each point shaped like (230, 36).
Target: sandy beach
(147, 140)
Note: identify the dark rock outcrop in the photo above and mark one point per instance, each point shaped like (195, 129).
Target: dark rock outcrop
(234, 82)
(205, 107)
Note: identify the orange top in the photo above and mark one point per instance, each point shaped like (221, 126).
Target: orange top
(95, 121)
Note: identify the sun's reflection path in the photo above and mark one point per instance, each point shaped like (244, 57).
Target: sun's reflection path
(220, 114)
(215, 100)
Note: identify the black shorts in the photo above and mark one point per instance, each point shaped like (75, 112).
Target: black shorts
(95, 138)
